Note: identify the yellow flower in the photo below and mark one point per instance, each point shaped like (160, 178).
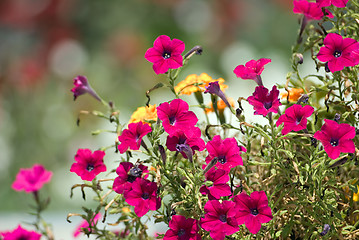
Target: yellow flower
(294, 94)
(126, 210)
(144, 114)
(355, 195)
(220, 105)
(194, 83)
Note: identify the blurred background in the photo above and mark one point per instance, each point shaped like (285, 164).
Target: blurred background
(44, 44)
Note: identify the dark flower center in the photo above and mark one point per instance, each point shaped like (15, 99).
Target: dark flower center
(337, 53)
(22, 238)
(334, 142)
(222, 159)
(166, 55)
(145, 195)
(267, 105)
(181, 232)
(298, 120)
(223, 218)
(254, 211)
(90, 167)
(172, 119)
(134, 173)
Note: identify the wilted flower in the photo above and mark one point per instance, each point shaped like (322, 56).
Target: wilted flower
(127, 174)
(263, 101)
(87, 164)
(20, 234)
(131, 138)
(31, 179)
(252, 70)
(82, 86)
(295, 118)
(182, 228)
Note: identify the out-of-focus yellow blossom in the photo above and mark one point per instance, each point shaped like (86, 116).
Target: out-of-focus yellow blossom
(220, 105)
(194, 83)
(126, 210)
(144, 114)
(355, 195)
(294, 94)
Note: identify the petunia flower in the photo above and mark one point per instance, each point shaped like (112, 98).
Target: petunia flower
(175, 116)
(197, 83)
(182, 228)
(327, 3)
(186, 143)
(127, 174)
(131, 138)
(225, 151)
(87, 164)
(85, 225)
(20, 233)
(144, 114)
(31, 179)
(252, 70)
(309, 9)
(336, 138)
(263, 101)
(219, 219)
(295, 118)
(337, 51)
(219, 187)
(214, 88)
(82, 86)
(165, 54)
(252, 210)
(143, 196)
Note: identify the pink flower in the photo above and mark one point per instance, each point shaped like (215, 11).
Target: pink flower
(175, 116)
(253, 210)
(337, 3)
(186, 143)
(131, 138)
(337, 51)
(127, 174)
(87, 164)
(336, 138)
(84, 224)
(309, 9)
(226, 151)
(252, 70)
(264, 102)
(219, 219)
(165, 54)
(31, 179)
(143, 196)
(295, 118)
(182, 228)
(219, 188)
(20, 233)
(82, 86)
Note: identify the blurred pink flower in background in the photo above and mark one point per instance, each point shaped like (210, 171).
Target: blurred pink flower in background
(31, 179)
(20, 234)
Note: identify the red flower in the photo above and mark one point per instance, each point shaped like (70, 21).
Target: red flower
(295, 118)
(252, 210)
(82, 86)
(252, 70)
(264, 102)
(127, 174)
(85, 224)
(131, 138)
(165, 54)
(182, 228)
(337, 3)
(336, 138)
(87, 164)
(20, 233)
(143, 196)
(31, 179)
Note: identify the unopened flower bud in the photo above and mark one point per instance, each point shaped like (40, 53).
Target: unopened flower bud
(326, 229)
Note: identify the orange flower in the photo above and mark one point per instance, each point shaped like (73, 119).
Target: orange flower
(220, 105)
(294, 94)
(144, 114)
(194, 83)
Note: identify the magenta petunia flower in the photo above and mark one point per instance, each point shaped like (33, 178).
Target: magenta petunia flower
(214, 88)
(31, 179)
(175, 116)
(82, 86)
(337, 51)
(143, 196)
(186, 143)
(252, 70)
(131, 138)
(327, 3)
(219, 187)
(336, 138)
(182, 228)
(252, 210)
(226, 151)
(85, 224)
(165, 54)
(295, 118)
(87, 164)
(20, 233)
(309, 9)
(127, 174)
(263, 101)
(219, 219)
